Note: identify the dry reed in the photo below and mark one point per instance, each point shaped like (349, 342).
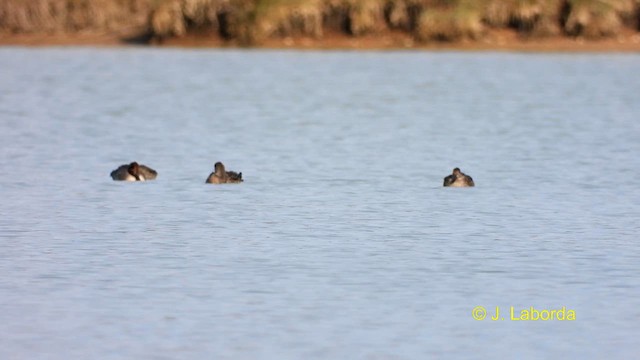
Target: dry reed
(252, 21)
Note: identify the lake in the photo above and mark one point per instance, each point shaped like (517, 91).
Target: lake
(341, 243)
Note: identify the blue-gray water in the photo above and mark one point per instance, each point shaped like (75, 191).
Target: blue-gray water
(341, 243)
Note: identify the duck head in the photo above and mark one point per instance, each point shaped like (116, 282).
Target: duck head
(134, 170)
(219, 169)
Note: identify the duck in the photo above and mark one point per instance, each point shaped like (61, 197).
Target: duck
(133, 172)
(221, 176)
(458, 179)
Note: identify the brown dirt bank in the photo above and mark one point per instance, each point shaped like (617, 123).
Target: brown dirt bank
(522, 25)
(500, 41)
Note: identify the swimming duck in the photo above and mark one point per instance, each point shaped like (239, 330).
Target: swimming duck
(133, 172)
(221, 176)
(458, 179)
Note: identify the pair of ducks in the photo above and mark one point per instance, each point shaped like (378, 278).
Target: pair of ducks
(138, 172)
(458, 179)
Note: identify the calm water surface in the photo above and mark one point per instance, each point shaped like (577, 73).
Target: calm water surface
(341, 243)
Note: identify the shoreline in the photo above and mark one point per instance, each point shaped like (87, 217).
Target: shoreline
(499, 41)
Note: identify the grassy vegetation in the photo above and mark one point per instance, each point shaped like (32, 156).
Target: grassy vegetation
(59, 16)
(454, 21)
(252, 21)
(533, 17)
(282, 18)
(597, 18)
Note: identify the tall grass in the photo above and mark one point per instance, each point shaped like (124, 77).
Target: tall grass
(597, 18)
(454, 20)
(56, 16)
(530, 17)
(252, 21)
